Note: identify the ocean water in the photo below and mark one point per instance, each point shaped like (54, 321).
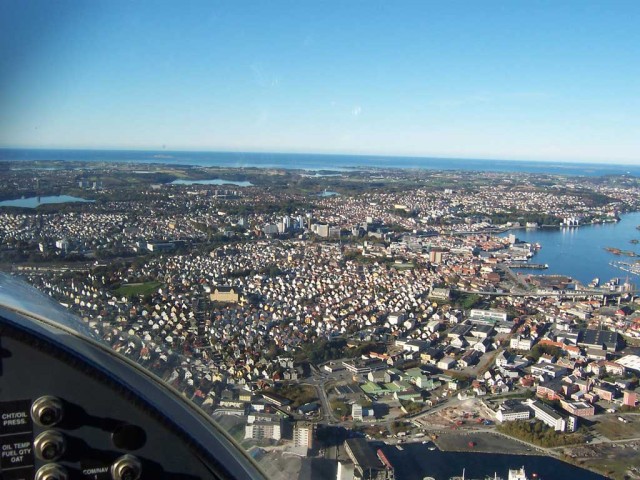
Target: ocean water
(318, 161)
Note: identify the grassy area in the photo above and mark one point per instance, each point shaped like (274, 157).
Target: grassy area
(539, 434)
(135, 289)
(298, 394)
(614, 461)
(614, 429)
(340, 408)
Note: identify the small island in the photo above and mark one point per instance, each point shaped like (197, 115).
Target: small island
(617, 251)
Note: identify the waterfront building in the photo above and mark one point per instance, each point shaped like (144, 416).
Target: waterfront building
(510, 411)
(346, 471)
(551, 417)
(367, 464)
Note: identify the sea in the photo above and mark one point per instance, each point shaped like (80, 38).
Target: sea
(318, 162)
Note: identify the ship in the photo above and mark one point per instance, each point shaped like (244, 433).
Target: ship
(517, 474)
(514, 474)
(463, 477)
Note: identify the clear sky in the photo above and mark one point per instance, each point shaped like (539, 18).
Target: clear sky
(557, 80)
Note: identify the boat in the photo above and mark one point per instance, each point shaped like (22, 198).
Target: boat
(594, 283)
(517, 474)
(488, 477)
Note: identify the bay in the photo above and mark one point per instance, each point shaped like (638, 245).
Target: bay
(579, 252)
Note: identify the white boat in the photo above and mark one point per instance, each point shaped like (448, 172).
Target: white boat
(517, 474)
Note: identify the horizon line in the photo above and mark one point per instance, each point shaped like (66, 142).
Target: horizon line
(349, 154)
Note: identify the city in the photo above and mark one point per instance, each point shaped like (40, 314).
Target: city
(336, 240)
(343, 317)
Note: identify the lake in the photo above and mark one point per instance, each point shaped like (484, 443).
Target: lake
(580, 252)
(328, 193)
(215, 181)
(34, 202)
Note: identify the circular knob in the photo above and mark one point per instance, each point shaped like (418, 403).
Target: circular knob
(49, 446)
(47, 411)
(52, 471)
(127, 467)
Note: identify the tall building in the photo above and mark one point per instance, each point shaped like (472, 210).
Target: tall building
(303, 435)
(356, 412)
(264, 429)
(435, 256)
(263, 426)
(322, 229)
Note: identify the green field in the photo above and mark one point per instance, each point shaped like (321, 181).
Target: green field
(298, 394)
(134, 289)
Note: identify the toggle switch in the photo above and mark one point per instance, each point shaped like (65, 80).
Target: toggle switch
(52, 471)
(127, 467)
(49, 446)
(47, 411)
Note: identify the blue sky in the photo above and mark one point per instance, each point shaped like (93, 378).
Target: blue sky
(556, 80)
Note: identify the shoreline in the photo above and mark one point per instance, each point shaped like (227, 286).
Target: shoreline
(501, 443)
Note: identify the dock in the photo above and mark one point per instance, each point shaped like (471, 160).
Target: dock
(534, 266)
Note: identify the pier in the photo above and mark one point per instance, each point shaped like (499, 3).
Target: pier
(534, 266)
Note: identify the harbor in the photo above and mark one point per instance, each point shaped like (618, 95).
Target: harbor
(416, 461)
(580, 252)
